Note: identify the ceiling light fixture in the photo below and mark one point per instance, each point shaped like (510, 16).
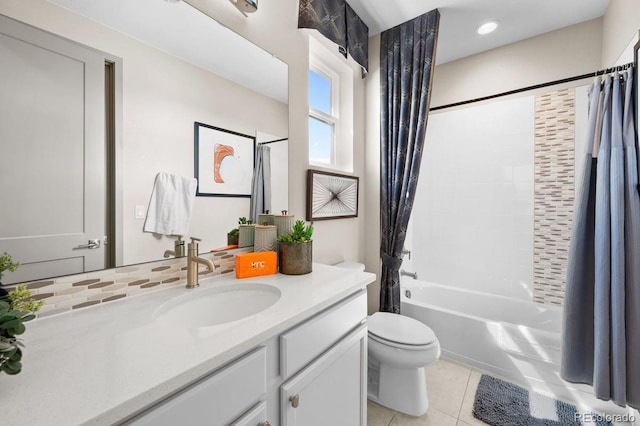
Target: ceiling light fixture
(487, 27)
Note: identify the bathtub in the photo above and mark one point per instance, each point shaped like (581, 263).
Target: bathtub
(514, 339)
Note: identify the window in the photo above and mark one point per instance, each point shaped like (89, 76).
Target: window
(330, 109)
(322, 117)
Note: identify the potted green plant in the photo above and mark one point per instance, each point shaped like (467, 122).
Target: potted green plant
(232, 236)
(296, 249)
(7, 264)
(16, 308)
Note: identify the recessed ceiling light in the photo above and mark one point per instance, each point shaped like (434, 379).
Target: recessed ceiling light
(487, 27)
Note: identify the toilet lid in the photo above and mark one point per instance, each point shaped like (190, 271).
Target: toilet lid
(400, 329)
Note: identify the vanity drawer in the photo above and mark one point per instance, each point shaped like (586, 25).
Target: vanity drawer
(217, 399)
(305, 342)
(256, 417)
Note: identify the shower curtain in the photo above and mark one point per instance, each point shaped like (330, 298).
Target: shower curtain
(261, 184)
(601, 317)
(407, 57)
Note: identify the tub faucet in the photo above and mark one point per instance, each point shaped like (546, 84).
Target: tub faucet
(413, 275)
(192, 263)
(178, 248)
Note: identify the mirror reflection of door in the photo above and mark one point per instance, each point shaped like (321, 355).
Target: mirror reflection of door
(52, 133)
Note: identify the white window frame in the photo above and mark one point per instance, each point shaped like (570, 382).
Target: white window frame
(324, 60)
(333, 118)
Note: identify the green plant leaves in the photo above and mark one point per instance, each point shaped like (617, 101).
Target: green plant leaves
(299, 233)
(15, 309)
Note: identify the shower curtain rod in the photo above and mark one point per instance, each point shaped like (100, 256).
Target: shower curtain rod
(537, 86)
(274, 141)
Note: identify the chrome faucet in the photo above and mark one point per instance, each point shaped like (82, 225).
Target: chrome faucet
(192, 263)
(178, 248)
(413, 275)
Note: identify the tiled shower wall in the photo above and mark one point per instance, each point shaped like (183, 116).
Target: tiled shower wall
(71, 292)
(494, 202)
(554, 193)
(473, 212)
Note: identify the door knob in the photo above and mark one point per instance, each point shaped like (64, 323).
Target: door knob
(92, 244)
(295, 401)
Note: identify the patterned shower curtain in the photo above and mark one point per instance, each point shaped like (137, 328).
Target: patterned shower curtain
(407, 59)
(601, 317)
(261, 184)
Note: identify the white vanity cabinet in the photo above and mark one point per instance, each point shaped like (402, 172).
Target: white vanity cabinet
(216, 400)
(312, 374)
(331, 388)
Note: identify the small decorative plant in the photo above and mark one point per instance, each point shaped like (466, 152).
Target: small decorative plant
(16, 308)
(7, 264)
(232, 236)
(242, 221)
(296, 249)
(300, 233)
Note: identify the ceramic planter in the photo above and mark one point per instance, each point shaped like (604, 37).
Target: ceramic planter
(246, 235)
(232, 239)
(295, 258)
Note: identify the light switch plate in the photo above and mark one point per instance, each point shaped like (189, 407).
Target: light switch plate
(139, 214)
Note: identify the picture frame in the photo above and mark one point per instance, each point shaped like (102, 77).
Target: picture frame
(331, 195)
(223, 161)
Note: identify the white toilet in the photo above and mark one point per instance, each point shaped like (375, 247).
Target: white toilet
(399, 349)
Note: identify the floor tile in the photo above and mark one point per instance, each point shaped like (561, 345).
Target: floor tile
(461, 423)
(432, 418)
(466, 412)
(446, 385)
(377, 415)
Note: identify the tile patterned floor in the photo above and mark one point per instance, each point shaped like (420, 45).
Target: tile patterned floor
(451, 388)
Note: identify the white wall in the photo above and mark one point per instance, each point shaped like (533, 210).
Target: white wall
(620, 24)
(274, 28)
(473, 212)
(525, 63)
(372, 175)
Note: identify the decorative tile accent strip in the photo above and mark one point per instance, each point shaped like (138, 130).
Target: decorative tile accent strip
(553, 193)
(39, 284)
(64, 294)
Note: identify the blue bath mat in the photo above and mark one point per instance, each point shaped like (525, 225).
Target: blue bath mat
(501, 403)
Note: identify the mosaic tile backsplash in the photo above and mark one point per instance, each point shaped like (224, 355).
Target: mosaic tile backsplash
(554, 193)
(70, 292)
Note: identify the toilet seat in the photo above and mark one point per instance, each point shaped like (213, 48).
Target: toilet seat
(400, 331)
(373, 337)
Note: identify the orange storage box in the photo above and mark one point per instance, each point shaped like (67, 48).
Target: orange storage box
(256, 264)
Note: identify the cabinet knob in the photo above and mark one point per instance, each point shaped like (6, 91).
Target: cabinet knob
(265, 423)
(295, 401)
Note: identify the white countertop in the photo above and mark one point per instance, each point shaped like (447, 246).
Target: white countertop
(99, 365)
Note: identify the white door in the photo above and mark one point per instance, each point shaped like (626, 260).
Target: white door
(332, 389)
(52, 157)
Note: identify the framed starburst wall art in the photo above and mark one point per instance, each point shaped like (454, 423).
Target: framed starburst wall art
(331, 195)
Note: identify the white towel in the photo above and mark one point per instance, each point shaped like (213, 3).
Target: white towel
(171, 203)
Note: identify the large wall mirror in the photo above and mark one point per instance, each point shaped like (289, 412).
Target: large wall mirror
(136, 75)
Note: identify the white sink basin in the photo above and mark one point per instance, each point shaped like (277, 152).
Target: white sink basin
(218, 305)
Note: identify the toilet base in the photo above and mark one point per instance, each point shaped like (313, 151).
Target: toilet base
(401, 389)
